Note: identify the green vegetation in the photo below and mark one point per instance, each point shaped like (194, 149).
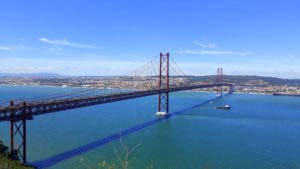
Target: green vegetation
(6, 161)
(123, 159)
(241, 80)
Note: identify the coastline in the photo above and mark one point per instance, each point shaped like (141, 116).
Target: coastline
(52, 86)
(201, 91)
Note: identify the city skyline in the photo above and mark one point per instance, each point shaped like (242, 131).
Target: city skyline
(102, 38)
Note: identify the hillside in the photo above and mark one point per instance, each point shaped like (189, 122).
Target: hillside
(250, 80)
(9, 164)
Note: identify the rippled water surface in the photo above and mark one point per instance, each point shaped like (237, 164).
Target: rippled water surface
(259, 132)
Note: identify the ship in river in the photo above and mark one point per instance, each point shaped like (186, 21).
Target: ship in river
(225, 107)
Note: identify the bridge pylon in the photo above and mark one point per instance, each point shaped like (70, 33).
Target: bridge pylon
(219, 81)
(231, 89)
(163, 85)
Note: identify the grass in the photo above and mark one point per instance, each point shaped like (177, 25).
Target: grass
(123, 158)
(6, 163)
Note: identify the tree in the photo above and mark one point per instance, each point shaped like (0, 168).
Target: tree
(3, 149)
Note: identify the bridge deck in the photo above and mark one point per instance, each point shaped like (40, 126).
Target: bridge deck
(18, 112)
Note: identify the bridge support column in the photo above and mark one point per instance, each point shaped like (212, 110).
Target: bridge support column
(163, 97)
(219, 81)
(12, 133)
(231, 89)
(18, 134)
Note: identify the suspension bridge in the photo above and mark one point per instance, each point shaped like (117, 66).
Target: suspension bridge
(158, 77)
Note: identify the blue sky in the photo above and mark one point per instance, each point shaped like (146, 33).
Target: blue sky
(253, 37)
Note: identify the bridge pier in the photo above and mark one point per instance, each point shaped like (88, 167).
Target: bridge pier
(18, 132)
(163, 85)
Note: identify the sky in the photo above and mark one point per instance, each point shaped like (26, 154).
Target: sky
(108, 37)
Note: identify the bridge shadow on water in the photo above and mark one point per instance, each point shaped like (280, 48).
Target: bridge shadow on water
(88, 147)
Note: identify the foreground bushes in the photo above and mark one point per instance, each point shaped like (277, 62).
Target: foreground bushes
(8, 161)
(5, 153)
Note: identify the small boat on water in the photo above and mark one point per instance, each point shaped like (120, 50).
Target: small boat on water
(225, 107)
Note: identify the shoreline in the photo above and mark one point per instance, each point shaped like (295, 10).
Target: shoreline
(202, 91)
(18, 85)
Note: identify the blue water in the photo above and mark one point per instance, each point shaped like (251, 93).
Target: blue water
(259, 132)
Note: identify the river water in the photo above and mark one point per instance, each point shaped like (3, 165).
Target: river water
(259, 132)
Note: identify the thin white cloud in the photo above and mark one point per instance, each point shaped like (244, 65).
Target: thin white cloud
(243, 68)
(4, 48)
(210, 48)
(212, 52)
(65, 42)
(208, 45)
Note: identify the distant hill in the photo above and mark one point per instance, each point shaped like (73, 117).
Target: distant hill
(237, 79)
(251, 80)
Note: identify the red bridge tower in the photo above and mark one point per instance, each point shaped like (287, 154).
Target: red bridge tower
(219, 81)
(163, 85)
